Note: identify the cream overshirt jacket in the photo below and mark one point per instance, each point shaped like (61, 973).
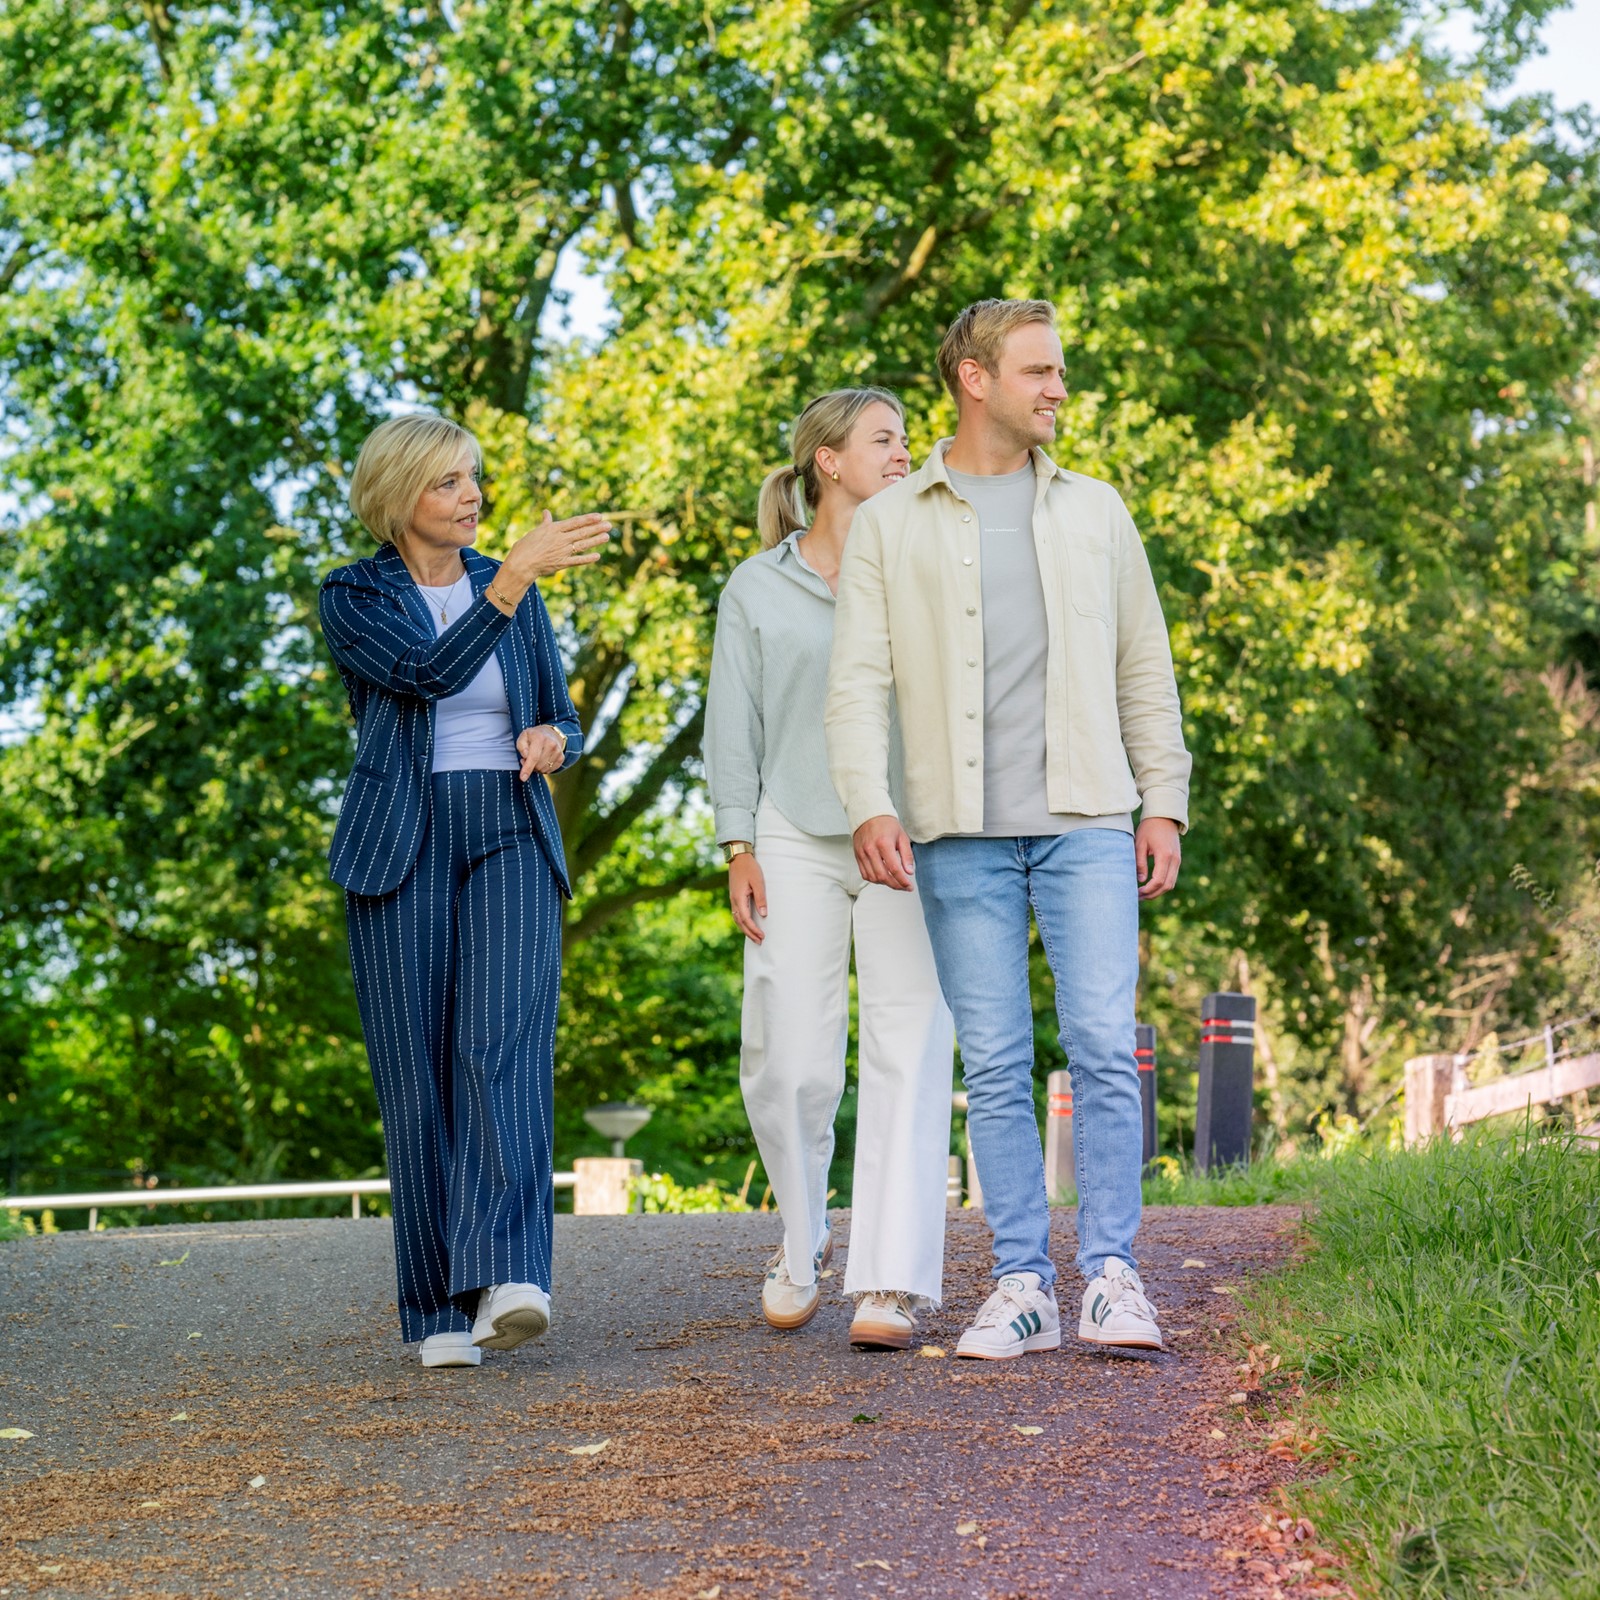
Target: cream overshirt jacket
(910, 617)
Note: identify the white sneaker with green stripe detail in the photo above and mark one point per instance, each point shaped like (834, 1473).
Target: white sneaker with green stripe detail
(1115, 1310)
(1019, 1317)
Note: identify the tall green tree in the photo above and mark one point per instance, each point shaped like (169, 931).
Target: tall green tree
(1323, 309)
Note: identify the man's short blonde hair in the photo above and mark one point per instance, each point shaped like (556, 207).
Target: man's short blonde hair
(979, 334)
(400, 460)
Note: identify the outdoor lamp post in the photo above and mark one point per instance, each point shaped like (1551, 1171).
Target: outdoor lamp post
(618, 1123)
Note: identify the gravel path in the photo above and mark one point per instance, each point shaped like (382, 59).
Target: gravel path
(163, 1371)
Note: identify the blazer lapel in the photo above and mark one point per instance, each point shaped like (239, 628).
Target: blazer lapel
(394, 572)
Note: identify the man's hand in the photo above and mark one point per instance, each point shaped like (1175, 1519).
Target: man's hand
(1157, 852)
(747, 894)
(883, 852)
(541, 750)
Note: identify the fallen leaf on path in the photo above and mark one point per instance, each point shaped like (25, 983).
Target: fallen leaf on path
(1177, 1331)
(588, 1449)
(196, 1336)
(1217, 1433)
(179, 1262)
(930, 1350)
(1222, 1288)
(1191, 1262)
(884, 1564)
(709, 1594)
(52, 1570)
(830, 1273)
(15, 1433)
(121, 1324)
(982, 1541)
(1238, 1399)
(179, 1416)
(963, 1529)
(149, 1505)
(861, 1416)
(1027, 1432)
(258, 1482)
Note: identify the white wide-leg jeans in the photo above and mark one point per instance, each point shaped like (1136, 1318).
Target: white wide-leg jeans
(792, 1064)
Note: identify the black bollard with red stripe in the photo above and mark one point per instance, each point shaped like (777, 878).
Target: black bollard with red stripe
(1144, 1052)
(1227, 1080)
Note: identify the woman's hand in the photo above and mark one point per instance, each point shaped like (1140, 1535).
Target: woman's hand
(542, 750)
(747, 893)
(553, 545)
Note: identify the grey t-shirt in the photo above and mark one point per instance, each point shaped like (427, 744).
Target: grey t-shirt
(1016, 644)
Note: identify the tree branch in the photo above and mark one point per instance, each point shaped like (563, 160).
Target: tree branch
(668, 763)
(160, 20)
(603, 908)
(15, 262)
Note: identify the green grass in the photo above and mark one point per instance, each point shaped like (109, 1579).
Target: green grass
(1446, 1326)
(1261, 1183)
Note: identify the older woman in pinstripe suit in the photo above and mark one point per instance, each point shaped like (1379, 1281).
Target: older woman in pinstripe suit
(449, 853)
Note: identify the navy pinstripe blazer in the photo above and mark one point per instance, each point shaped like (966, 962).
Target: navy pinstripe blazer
(377, 625)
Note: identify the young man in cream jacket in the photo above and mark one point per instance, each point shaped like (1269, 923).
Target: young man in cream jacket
(1008, 604)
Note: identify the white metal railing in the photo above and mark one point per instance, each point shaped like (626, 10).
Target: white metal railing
(111, 1198)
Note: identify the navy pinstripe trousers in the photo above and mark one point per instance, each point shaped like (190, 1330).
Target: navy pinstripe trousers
(458, 974)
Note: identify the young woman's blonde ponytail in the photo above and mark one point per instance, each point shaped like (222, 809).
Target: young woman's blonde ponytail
(781, 508)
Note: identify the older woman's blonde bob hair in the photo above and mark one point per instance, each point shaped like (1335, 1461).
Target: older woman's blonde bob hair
(398, 462)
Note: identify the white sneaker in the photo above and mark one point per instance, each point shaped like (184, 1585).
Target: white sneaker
(883, 1322)
(509, 1313)
(1115, 1310)
(450, 1350)
(1019, 1317)
(787, 1304)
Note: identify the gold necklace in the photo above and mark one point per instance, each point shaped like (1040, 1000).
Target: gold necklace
(449, 599)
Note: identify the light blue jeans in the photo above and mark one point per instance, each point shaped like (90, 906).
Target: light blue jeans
(1082, 889)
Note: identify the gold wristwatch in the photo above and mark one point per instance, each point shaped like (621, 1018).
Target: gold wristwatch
(737, 847)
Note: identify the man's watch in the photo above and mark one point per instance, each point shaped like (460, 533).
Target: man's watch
(737, 847)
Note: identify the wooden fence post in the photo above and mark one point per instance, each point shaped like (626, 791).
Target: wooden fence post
(1428, 1080)
(604, 1186)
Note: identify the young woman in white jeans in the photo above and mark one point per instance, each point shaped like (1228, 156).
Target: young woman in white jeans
(799, 900)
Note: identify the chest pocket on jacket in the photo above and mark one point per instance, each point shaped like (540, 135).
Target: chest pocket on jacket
(1090, 578)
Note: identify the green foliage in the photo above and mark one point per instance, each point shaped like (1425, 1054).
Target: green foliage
(650, 1013)
(1447, 1323)
(1174, 1182)
(1325, 315)
(660, 1192)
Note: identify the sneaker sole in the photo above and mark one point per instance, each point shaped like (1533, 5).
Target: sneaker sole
(512, 1328)
(1092, 1335)
(453, 1358)
(789, 1324)
(878, 1336)
(1034, 1342)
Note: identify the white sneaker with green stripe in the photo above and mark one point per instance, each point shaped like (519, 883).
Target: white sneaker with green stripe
(1019, 1317)
(1115, 1310)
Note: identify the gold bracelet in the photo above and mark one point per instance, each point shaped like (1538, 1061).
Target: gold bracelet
(512, 604)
